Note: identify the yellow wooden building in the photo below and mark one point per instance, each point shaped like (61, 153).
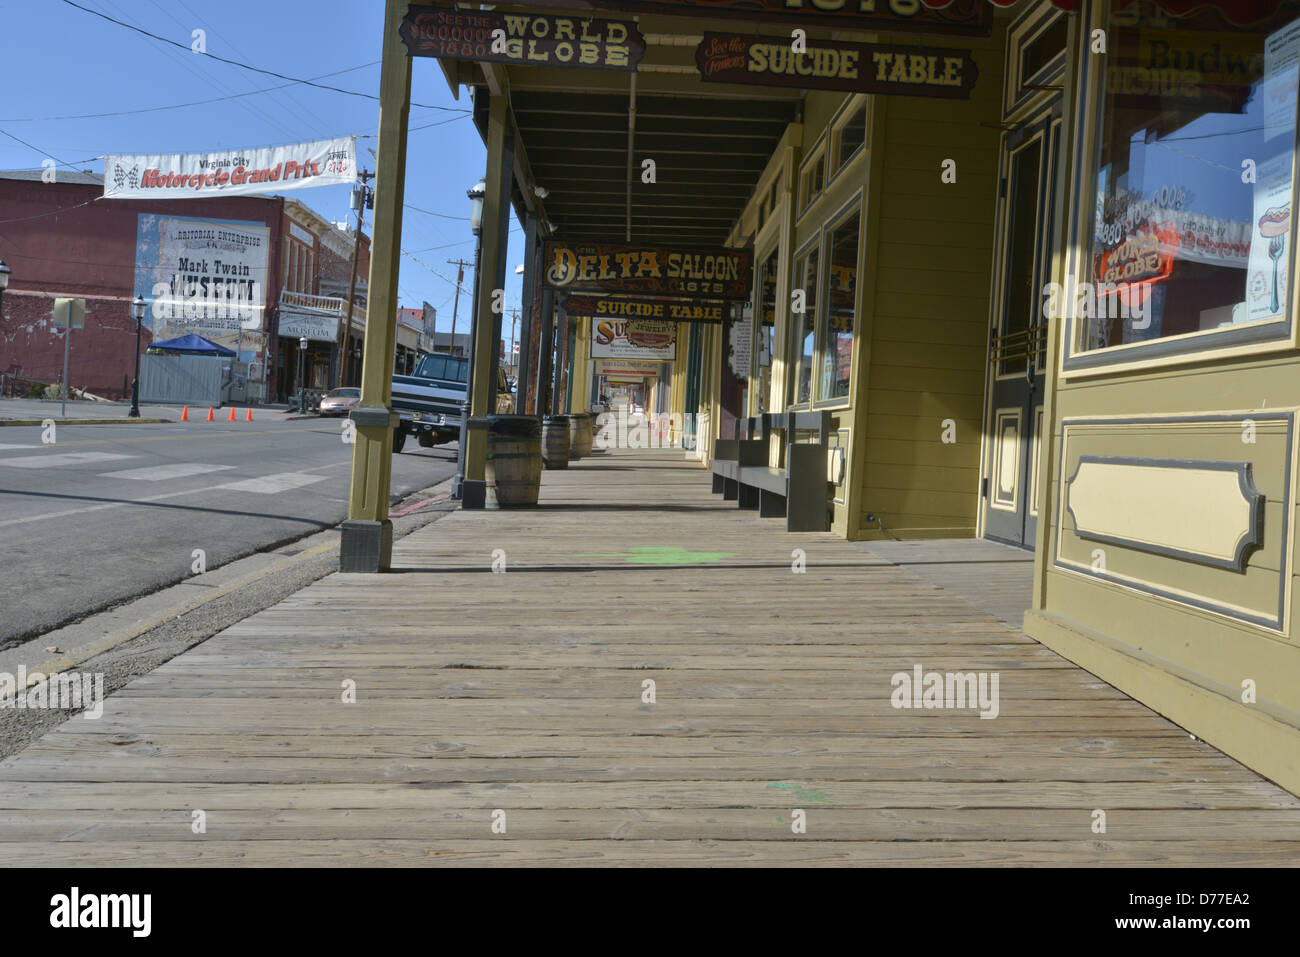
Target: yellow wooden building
(1034, 262)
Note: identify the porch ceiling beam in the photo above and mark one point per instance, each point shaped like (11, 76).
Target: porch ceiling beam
(554, 80)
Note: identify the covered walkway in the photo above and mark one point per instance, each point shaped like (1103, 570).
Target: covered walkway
(524, 692)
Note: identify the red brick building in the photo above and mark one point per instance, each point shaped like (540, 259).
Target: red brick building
(62, 239)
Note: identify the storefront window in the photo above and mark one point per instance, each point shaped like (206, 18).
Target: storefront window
(803, 324)
(812, 178)
(767, 319)
(852, 134)
(837, 320)
(1192, 229)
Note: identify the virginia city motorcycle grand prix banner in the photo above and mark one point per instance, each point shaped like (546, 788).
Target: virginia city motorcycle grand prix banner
(272, 169)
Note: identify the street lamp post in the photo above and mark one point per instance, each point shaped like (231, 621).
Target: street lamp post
(5, 273)
(475, 194)
(302, 376)
(137, 310)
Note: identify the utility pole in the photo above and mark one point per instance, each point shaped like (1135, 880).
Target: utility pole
(510, 357)
(345, 337)
(460, 265)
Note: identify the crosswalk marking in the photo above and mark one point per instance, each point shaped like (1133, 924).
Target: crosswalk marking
(271, 484)
(64, 458)
(158, 473)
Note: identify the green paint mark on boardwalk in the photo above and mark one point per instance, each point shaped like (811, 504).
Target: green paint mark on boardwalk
(661, 555)
(803, 793)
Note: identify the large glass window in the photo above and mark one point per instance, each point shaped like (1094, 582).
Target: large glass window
(837, 317)
(812, 177)
(767, 319)
(1192, 228)
(803, 291)
(853, 134)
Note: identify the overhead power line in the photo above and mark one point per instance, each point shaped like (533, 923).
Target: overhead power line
(247, 66)
(37, 149)
(179, 106)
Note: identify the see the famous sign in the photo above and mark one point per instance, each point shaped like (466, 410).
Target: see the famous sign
(522, 39)
(837, 65)
(648, 270)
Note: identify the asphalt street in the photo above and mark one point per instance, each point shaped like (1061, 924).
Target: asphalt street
(108, 512)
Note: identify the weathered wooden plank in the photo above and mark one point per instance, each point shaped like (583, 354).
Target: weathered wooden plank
(151, 764)
(623, 853)
(714, 824)
(705, 793)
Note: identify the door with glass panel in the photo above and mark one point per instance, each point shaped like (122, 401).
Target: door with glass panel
(1018, 336)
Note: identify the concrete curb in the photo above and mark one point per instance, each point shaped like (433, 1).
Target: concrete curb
(121, 421)
(81, 653)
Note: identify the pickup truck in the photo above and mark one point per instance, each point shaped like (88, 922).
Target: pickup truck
(428, 400)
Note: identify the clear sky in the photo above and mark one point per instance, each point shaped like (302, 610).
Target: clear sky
(58, 62)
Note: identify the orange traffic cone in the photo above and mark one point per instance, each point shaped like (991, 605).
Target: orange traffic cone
(249, 417)
(232, 413)
(209, 413)
(185, 414)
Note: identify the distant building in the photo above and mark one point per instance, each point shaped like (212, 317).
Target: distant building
(291, 268)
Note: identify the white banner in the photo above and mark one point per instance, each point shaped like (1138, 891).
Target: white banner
(273, 169)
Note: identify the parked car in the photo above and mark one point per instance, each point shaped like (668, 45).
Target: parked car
(428, 400)
(340, 401)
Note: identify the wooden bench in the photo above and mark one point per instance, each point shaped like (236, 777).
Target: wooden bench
(798, 491)
(748, 448)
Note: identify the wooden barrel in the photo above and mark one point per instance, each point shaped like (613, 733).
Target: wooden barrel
(579, 434)
(555, 441)
(514, 461)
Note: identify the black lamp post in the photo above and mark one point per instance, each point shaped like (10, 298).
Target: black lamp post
(5, 272)
(137, 310)
(476, 193)
(302, 376)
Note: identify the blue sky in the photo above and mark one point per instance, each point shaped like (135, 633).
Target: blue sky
(59, 61)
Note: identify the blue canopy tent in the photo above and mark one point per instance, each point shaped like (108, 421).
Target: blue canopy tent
(186, 370)
(192, 345)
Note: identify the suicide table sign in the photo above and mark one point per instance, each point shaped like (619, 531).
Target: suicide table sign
(837, 65)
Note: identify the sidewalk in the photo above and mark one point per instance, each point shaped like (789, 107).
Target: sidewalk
(523, 693)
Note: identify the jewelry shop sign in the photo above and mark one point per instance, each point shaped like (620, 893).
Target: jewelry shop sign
(680, 310)
(648, 270)
(522, 39)
(837, 65)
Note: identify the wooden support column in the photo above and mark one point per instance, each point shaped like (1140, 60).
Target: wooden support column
(367, 535)
(545, 353)
(486, 322)
(523, 372)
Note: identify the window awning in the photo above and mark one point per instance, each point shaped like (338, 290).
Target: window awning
(1240, 12)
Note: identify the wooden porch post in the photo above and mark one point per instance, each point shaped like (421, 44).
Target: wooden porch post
(367, 535)
(487, 323)
(523, 370)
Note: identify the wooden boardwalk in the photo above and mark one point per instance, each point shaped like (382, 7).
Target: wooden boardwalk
(523, 692)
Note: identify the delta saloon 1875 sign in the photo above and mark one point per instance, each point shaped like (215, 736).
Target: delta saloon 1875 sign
(837, 65)
(523, 39)
(648, 270)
